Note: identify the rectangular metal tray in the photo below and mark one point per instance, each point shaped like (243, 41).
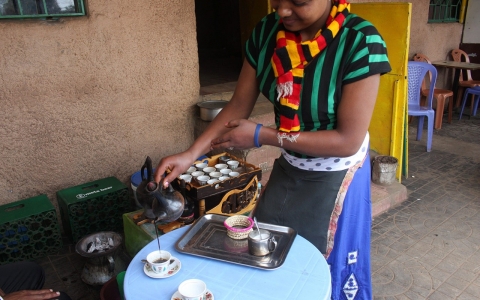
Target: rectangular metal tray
(208, 238)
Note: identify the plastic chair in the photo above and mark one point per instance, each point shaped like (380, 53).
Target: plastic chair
(440, 95)
(416, 74)
(475, 92)
(459, 55)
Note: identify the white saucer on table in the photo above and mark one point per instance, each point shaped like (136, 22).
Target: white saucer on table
(208, 296)
(172, 270)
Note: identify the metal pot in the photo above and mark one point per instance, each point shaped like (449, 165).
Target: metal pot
(210, 108)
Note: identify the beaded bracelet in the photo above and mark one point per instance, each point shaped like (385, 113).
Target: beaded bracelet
(255, 137)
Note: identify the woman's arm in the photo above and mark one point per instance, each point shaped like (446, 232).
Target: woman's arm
(354, 114)
(239, 107)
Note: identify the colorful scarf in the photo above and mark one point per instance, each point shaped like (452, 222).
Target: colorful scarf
(290, 57)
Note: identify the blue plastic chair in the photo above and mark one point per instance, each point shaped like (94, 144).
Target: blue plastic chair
(416, 73)
(475, 91)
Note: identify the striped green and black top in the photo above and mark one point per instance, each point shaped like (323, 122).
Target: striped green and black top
(358, 51)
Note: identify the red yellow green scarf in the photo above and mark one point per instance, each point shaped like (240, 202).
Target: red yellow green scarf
(290, 57)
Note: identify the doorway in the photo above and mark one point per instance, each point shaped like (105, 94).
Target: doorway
(219, 41)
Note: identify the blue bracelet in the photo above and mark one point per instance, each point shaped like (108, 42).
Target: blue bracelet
(255, 137)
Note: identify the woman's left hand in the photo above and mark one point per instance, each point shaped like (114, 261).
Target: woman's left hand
(240, 136)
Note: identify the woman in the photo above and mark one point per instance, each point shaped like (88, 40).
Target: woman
(320, 66)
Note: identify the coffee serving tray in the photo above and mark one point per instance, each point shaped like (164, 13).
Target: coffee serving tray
(207, 237)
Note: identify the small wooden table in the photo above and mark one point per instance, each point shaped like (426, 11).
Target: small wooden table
(458, 66)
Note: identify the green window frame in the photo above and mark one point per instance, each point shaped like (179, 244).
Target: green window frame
(444, 11)
(43, 9)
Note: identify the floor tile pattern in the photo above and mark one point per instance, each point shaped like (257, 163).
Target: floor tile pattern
(429, 246)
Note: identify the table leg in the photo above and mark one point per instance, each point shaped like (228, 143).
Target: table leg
(456, 77)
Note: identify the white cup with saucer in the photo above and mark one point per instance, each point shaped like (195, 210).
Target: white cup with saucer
(193, 289)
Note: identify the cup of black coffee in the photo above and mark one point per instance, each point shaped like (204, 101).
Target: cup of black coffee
(159, 260)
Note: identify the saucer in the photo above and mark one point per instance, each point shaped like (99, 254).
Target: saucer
(173, 269)
(208, 296)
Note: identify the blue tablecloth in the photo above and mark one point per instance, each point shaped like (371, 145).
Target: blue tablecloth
(304, 275)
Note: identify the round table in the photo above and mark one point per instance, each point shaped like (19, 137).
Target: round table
(303, 275)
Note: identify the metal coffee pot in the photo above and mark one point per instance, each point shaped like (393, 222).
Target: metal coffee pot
(165, 205)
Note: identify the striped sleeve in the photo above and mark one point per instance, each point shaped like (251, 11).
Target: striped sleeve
(368, 53)
(262, 35)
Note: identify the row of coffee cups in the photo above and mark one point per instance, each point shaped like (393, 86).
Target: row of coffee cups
(203, 174)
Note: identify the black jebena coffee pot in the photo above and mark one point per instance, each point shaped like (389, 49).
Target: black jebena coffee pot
(165, 205)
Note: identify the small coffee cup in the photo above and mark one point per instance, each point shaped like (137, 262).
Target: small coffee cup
(192, 289)
(215, 175)
(197, 173)
(223, 159)
(191, 170)
(212, 181)
(159, 261)
(202, 180)
(233, 174)
(186, 177)
(221, 166)
(200, 166)
(225, 172)
(208, 170)
(233, 164)
(261, 244)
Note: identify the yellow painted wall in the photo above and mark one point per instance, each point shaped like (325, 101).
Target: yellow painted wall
(387, 128)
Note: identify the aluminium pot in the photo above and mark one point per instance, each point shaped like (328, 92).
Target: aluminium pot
(210, 108)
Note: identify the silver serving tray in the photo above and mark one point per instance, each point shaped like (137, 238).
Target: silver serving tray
(207, 237)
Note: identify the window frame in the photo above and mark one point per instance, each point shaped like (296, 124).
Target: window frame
(79, 11)
(444, 11)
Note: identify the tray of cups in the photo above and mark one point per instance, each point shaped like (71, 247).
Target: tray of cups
(265, 248)
(217, 174)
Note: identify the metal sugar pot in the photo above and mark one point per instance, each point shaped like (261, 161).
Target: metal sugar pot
(165, 205)
(100, 251)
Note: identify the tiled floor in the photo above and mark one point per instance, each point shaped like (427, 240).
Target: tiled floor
(429, 246)
(426, 248)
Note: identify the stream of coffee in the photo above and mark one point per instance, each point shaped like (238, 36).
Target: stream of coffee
(158, 238)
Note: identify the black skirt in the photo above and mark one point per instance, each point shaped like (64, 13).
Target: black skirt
(300, 199)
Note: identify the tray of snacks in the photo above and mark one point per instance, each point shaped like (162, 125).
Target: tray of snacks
(211, 237)
(218, 174)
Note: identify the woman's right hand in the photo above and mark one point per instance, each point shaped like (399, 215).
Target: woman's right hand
(176, 164)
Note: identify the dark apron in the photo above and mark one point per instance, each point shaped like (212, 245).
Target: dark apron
(300, 199)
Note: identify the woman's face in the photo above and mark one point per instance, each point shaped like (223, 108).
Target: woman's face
(304, 16)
